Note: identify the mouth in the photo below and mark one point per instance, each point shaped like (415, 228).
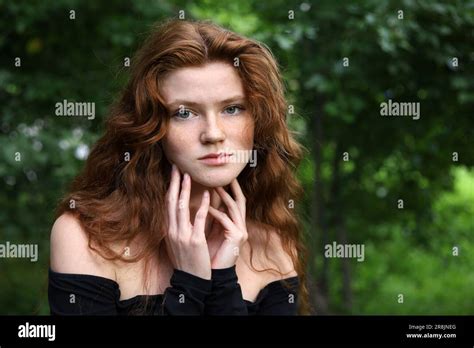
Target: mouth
(216, 158)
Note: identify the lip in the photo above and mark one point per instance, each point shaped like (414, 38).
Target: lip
(216, 158)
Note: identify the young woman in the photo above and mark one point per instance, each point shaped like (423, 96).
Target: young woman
(168, 216)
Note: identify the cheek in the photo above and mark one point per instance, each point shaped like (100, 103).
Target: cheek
(173, 143)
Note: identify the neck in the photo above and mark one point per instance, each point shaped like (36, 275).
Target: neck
(197, 190)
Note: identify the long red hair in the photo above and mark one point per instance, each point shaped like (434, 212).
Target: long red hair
(126, 175)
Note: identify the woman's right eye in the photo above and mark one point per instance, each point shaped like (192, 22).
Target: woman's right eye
(183, 114)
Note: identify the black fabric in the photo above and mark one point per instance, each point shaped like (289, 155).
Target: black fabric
(226, 295)
(81, 294)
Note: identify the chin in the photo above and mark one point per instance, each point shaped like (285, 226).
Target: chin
(216, 177)
(211, 183)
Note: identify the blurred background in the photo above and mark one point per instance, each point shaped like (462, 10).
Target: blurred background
(340, 61)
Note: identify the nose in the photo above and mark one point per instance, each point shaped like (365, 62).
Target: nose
(212, 131)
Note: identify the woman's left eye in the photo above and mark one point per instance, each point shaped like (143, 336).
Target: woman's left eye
(233, 110)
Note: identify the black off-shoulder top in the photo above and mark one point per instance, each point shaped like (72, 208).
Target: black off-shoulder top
(81, 294)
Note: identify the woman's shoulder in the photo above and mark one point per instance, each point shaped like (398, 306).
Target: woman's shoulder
(70, 251)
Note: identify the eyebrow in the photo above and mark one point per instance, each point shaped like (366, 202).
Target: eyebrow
(191, 103)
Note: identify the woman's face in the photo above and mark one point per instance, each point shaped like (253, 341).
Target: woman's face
(208, 116)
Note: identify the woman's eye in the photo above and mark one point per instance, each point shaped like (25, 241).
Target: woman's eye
(183, 114)
(233, 110)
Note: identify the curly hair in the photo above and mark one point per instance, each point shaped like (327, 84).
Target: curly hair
(126, 175)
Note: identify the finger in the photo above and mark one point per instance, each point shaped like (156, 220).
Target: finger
(183, 204)
(240, 197)
(232, 207)
(222, 218)
(172, 199)
(214, 224)
(200, 218)
(214, 227)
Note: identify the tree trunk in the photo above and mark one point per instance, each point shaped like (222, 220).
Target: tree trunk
(317, 211)
(340, 227)
(345, 267)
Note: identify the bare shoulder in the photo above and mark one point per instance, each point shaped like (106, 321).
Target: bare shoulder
(70, 252)
(270, 253)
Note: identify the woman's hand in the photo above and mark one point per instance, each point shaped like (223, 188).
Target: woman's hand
(233, 227)
(186, 243)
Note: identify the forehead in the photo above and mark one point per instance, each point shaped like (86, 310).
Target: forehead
(209, 83)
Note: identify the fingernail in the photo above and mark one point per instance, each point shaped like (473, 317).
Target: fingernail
(206, 194)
